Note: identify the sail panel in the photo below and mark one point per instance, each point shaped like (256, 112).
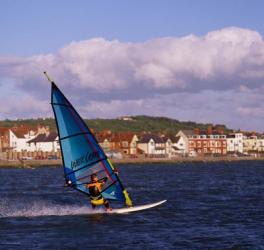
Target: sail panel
(68, 121)
(79, 152)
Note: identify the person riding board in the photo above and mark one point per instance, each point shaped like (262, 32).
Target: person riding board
(95, 189)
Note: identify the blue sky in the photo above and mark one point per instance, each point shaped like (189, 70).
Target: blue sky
(190, 60)
(34, 26)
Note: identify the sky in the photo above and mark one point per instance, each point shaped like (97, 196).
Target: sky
(192, 60)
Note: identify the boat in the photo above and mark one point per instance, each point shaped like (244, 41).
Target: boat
(82, 156)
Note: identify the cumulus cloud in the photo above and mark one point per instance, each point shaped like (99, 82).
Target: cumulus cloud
(113, 77)
(18, 107)
(187, 63)
(237, 109)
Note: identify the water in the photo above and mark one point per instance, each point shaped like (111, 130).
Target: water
(210, 206)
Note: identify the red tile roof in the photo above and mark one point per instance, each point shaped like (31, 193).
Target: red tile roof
(122, 136)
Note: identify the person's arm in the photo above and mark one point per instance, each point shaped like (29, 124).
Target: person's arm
(103, 180)
(87, 185)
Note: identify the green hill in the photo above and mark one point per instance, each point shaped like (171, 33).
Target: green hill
(135, 124)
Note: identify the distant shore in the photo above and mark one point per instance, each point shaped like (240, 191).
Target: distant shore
(43, 163)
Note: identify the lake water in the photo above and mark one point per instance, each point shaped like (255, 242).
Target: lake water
(210, 206)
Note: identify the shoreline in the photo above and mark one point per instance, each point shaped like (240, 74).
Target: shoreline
(52, 163)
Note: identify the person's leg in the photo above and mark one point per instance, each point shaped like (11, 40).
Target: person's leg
(107, 205)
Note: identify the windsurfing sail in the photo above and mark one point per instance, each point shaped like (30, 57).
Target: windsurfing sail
(81, 153)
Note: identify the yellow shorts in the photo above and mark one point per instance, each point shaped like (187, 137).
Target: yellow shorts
(98, 202)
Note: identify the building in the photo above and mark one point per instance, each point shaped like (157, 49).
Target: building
(4, 139)
(4, 143)
(152, 145)
(181, 142)
(48, 142)
(260, 144)
(250, 144)
(26, 142)
(104, 139)
(253, 144)
(125, 118)
(209, 142)
(18, 138)
(125, 142)
(235, 143)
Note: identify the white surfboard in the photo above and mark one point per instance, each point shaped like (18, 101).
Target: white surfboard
(135, 208)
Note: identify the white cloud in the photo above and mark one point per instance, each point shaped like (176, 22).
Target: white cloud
(170, 63)
(170, 76)
(25, 106)
(235, 108)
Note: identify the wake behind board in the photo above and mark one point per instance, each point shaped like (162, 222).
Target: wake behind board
(135, 208)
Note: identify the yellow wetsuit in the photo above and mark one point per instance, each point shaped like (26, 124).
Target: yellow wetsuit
(95, 189)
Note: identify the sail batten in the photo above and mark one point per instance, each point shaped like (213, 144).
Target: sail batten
(82, 155)
(61, 104)
(82, 133)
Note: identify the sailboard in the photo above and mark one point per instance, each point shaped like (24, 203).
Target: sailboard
(82, 156)
(127, 210)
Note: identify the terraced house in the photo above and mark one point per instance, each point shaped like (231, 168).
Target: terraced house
(123, 142)
(209, 142)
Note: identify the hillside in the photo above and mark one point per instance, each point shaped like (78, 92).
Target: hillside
(136, 124)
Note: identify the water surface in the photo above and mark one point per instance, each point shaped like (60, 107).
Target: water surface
(210, 206)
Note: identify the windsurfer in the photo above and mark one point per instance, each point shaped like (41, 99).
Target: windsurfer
(95, 188)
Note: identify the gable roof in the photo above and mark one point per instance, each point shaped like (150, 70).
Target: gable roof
(19, 133)
(44, 138)
(22, 130)
(100, 137)
(175, 139)
(122, 136)
(188, 132)
(3, 130)
(147, 137)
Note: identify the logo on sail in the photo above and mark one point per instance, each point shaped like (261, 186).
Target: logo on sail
(85, 159)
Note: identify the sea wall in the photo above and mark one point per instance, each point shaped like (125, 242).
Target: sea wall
(41, 163)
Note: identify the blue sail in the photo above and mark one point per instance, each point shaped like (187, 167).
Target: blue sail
(82, 155)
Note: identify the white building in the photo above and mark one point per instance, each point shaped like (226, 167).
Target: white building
(253, 144)
(152, 145)
(45, 143)
(250, 144)
(235, 143)
(182, 142)
(179, 146)
(260, 144)
(18, 139)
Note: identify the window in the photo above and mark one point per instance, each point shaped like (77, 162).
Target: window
(124, 144)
